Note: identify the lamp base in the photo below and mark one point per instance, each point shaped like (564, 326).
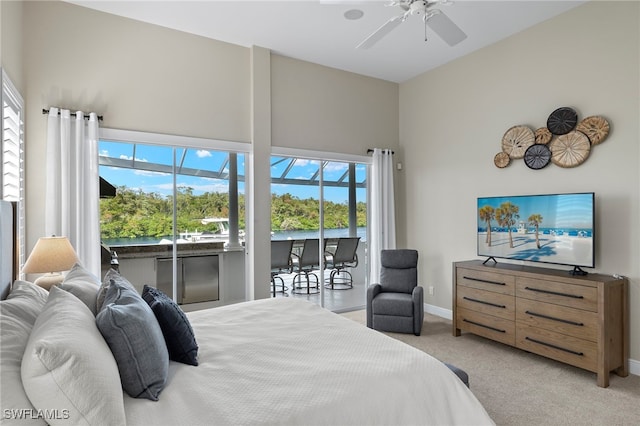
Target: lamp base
(49, 280)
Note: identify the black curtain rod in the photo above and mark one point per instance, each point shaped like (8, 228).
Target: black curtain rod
(369, 151)
(46, 111)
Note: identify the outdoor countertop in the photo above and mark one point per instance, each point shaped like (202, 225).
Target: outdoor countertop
(166, 250)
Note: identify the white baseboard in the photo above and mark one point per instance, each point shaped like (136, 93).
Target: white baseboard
(438, 311)
(634, 366)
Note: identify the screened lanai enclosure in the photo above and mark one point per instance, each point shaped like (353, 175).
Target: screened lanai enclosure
(178, 221)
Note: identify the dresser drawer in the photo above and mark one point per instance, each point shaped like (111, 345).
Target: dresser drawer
(498, 329)
(561, 319)
(574, 296)
(486, 280)
(486, 302)
(578, 352)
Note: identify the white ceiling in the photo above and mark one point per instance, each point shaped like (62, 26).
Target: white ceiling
(317, 31)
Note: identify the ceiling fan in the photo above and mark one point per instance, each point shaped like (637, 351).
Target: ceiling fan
(433, 18)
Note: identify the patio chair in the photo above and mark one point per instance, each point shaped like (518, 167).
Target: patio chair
(343, 257)
(280, 263)
(304, 264)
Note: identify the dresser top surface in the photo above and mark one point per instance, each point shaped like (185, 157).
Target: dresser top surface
(563, 275)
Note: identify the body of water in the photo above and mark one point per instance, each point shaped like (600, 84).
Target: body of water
(277, 235)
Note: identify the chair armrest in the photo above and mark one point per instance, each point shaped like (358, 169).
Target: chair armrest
(417, 295)
(372, 291)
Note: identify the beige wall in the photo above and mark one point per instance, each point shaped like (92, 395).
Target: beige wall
(11, 41)
(453, 119)
(315, 107)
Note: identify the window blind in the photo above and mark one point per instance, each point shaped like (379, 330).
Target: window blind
(12, 157)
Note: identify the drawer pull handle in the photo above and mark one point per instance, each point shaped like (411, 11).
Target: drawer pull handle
(484, 303)
(485, 326)
(554, 346)
(579, 324)
(555, 293)
(483, 281)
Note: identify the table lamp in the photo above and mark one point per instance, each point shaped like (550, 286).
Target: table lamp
(51, 255)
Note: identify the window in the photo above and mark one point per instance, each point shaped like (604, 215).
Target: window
(12, 156)
(173, 212)
(149, 177)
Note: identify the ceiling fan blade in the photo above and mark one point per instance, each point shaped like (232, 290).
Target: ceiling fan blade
(446, 29)
(378, 34)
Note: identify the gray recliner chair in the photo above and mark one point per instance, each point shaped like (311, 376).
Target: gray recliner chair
(396, 303)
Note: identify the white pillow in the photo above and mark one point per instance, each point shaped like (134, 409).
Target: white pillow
(18, 313)
(67, 365)
(82, 284)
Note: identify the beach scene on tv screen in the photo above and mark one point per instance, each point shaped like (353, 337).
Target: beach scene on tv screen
(540, 228)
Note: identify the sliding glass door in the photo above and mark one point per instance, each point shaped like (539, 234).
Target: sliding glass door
(176, 218)
(323, 201)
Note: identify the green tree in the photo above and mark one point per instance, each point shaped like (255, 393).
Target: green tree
(535, 220)
(507, 215)
(487, 214)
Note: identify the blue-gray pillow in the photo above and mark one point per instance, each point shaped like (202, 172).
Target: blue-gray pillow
(176, 328)
(134, 336)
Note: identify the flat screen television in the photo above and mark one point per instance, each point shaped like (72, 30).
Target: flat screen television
(549, 228)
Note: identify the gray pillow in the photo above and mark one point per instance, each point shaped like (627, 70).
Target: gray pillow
(82, 284)
(134, 336)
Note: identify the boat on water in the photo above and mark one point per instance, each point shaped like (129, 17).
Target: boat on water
(220, 232)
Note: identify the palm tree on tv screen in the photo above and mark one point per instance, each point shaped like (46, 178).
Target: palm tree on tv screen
(535, 220)
(487, 214)
(506, 215)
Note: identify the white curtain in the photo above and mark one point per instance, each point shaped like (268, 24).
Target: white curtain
(382, 205)
(73, 187)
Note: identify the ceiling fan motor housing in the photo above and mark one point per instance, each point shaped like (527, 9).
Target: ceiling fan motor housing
(418, 7)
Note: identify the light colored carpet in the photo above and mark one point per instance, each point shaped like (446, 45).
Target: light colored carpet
(520, 388)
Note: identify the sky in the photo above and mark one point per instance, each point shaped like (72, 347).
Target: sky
(557, 210)
(213, 161)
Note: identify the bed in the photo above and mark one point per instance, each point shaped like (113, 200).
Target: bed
(275, 361)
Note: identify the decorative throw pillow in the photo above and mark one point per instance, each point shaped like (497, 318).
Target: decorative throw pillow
(176, 328)
(106, 282)
(82, 284)
(18, 313)
(68, 371)
(135, 338)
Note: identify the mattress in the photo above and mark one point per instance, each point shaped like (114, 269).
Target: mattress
(289, 362)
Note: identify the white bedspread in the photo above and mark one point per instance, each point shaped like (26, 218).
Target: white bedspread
(290, 362)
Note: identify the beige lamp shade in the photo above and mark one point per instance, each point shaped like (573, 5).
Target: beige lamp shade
(50, 255)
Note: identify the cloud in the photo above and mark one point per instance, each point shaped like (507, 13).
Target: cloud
(202, 153)
(128, 157)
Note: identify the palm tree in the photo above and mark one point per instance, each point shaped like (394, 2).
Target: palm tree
(507, 215)
(535, 220)
(487, 214)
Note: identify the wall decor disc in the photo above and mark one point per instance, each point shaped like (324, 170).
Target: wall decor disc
(562, 121)
(596, 128)
(537, 156)
(516, 140)
(570, 150)
(543, 136)
(501, 160)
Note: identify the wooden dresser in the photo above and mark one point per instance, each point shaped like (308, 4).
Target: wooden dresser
(578, 320)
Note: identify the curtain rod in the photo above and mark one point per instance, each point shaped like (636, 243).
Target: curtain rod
(370, 150)
(46, 111)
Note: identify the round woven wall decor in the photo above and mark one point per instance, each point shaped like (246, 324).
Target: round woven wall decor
(596, 128)
(570, 150)
(516, 140)
(562, 121)
(501, 160)
(543, 136)
(537, 156)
